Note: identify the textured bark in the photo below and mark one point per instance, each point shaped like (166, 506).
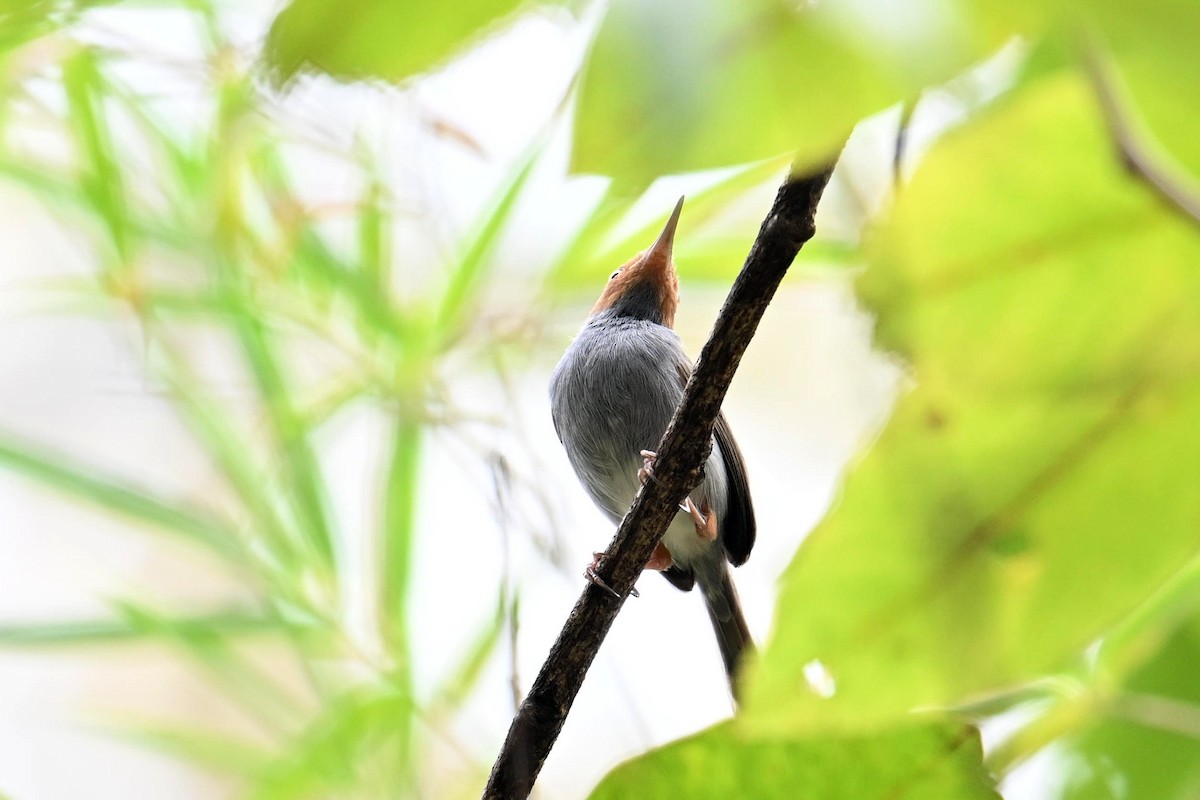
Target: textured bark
(681, 454)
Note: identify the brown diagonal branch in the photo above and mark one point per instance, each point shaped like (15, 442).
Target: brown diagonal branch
(681, 453)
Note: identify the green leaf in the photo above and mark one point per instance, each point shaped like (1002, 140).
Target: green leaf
(301, 472)
(213, 750)
(111, 631)
(1146, 741)
(726, 83)
(464, 279)
(22, 21)
(397, 537)
(926, 762)
(102, 180)
(252, 687)
(366, 39)
(1153, 43)
(351, 733)
(56, 472)
(226, 445)
(1038, 484)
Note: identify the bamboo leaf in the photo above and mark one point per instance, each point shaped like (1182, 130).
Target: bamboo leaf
(102, 178)
(56, 472)
(255, 691)
(105, 632)
(464, 280)
(333, 750)
(213, 750)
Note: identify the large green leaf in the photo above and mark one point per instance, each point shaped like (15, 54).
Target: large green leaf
(1154, 44)
(363, 38)
(1039, 481)
(725, 83)
(907, 763)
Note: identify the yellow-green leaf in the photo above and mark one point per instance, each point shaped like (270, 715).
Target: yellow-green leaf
(1039, 481)
(925, 762)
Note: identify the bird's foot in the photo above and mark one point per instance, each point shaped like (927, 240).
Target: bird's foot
(594, 578)
(643, 474)
(706, 525)
(648, 457)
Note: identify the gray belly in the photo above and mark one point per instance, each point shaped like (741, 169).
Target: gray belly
(612, 396)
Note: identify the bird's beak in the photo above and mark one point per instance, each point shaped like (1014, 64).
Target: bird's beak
(651, 270)
(658, 258)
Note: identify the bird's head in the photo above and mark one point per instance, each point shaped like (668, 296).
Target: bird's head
(646, 287)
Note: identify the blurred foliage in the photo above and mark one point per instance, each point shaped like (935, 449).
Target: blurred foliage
(206, 230)
(1022, 536)
(1144, 740)
(363, 38)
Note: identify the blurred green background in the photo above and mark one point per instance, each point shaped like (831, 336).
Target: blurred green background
(283, 512)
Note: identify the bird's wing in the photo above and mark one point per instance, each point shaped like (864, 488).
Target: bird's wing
(739, 530)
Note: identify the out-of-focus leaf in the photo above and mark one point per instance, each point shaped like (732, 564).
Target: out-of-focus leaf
(303, 476)
(1039, 482)
(396, 540)
(110, 631)
(338, 746)
(218, 751)
(209, 646)
(929, 762)
(375, 255)
(22, 21)
(228, 449)
(733, 82)
(403, 480)
(726, 83)
(1146, 746)
(65, 193)
(102, 177)
(464, 278)
(366, 39)
(56, 472)
(1153, 42)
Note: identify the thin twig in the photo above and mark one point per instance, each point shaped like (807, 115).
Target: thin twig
(1168, 184)
(681, 453)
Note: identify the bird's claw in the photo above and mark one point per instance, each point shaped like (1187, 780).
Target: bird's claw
(697, 516)
(594, 578)
(648, 457)
(705, 525)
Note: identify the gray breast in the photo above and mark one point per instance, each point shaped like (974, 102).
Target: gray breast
(611, 396)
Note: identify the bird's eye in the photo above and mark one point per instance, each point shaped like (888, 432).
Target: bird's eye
(615, 274)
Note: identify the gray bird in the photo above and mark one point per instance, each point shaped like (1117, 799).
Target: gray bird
(612, 396)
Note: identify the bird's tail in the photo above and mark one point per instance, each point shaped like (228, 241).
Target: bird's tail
(729, 624)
